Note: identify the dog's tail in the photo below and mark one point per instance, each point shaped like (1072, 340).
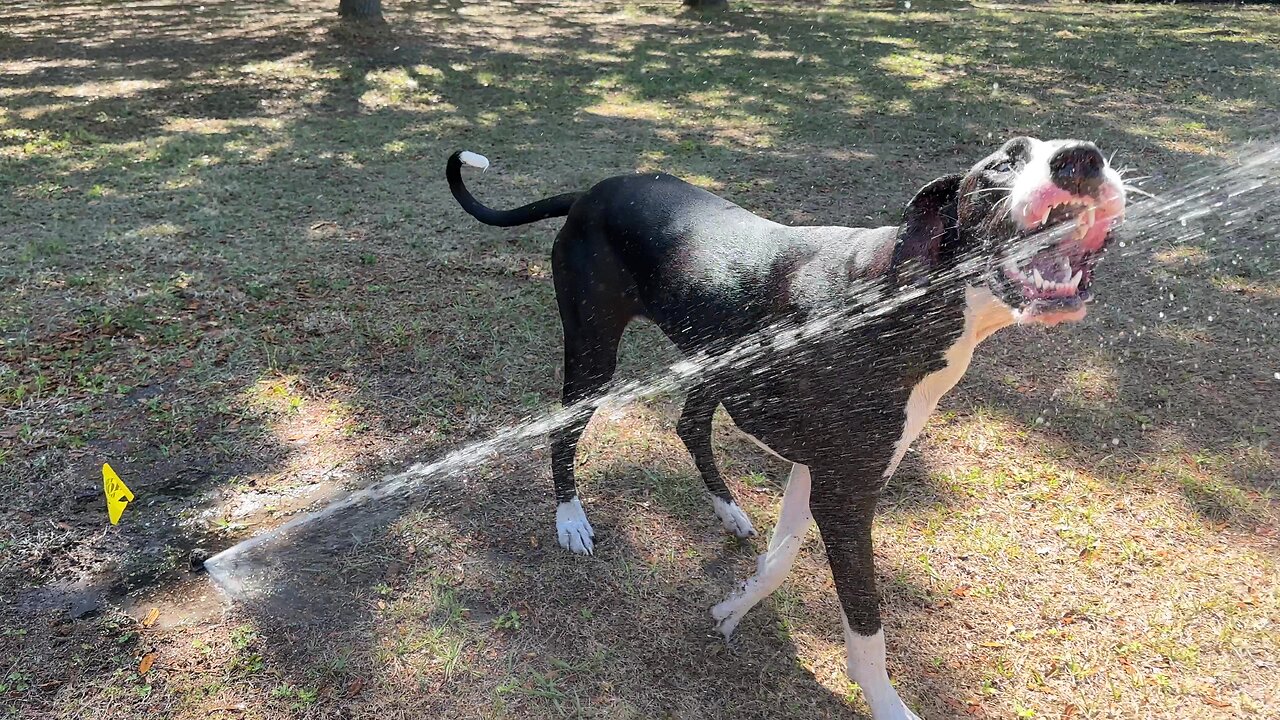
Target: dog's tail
(557, 206)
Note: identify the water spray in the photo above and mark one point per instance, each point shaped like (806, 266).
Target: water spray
(244, 570)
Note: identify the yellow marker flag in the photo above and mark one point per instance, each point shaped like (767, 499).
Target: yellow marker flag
(118, 494)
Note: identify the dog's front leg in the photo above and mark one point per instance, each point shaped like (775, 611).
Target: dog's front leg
(844, 511)
(774, 566)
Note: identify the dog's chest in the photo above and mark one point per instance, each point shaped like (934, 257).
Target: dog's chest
(978, 322)
(840, 401)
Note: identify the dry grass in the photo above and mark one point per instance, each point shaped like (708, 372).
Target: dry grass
(230, 267)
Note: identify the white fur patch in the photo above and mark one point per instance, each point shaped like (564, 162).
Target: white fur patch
(572, 528)
(1034, 178)
(866, 666)
(733, 518)
(475, 160)
(1034, 192)
(773, 567)
(983, 315)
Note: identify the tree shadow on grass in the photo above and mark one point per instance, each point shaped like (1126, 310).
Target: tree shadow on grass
(454, 573)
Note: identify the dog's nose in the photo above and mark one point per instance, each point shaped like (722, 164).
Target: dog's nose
(1077, 168)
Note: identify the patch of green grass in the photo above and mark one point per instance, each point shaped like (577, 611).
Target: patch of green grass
(1215, 498)
(1203, 481)
(507, 621)
(299, 699)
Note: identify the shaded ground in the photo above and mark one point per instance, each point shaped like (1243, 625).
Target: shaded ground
(230, 267)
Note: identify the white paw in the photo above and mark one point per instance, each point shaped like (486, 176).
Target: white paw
(572, 528)
(901, 712)
(888, 706)
(866, 667)
(728, 614)
(733, 518)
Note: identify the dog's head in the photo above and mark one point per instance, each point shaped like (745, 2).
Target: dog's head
(1029, 221)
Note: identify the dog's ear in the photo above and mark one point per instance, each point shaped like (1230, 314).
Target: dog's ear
(927, 232)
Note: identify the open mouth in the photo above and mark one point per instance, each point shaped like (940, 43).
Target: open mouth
(1055, 279)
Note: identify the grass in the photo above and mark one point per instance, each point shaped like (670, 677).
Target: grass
(229, 266)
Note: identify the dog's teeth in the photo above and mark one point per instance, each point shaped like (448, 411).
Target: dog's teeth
(1038, 278)
(1074, 282)
(1089, 215)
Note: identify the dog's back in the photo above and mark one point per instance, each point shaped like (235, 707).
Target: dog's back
(706, 269)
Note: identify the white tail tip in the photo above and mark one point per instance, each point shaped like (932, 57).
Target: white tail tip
(475, 160)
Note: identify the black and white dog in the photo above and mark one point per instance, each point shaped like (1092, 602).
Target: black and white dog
(1012, 241)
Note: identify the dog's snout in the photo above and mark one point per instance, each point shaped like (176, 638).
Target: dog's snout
(1077, 168)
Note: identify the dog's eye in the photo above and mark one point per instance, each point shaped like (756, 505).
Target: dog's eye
(1004, 167)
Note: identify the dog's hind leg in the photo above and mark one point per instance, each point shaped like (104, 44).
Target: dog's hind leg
(694, 428)
(774, 566)
(589, 363)
(593, 325)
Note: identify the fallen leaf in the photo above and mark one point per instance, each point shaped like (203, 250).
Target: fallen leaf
(1211, 700)
(152, 615)
(355, 687)
(1068, 712)
(147, 661)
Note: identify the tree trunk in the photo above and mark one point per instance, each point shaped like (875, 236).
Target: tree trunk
(365, 10)
(707, 4)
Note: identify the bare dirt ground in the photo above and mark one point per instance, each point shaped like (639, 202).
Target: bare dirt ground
(230, 267)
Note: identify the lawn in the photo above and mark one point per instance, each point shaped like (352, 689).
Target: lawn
(230, 267)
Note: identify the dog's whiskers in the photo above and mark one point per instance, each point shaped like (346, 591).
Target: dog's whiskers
(1004, 206)
(1138, 191)
(985, 190)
